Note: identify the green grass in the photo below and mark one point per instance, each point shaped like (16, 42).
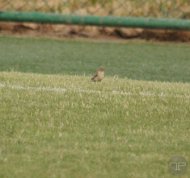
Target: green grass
(90, 130)
(135, 60)
(55, 122)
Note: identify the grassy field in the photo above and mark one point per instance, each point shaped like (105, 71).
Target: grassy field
(134, 60)
(66, 126)
(55, 122)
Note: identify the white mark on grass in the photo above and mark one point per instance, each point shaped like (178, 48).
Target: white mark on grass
(20, 87)
(78, 90)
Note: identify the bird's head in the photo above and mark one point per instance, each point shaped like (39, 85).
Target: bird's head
(101, 69)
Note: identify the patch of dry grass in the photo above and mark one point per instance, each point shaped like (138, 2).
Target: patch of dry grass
(158, 8)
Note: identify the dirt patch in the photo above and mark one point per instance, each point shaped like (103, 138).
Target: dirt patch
(71, 31)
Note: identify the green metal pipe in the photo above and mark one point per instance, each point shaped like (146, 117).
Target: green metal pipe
(151, 23)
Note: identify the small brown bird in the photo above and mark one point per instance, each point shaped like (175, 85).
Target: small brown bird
(98, 77)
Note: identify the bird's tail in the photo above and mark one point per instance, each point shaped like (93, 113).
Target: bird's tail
(94, 78)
